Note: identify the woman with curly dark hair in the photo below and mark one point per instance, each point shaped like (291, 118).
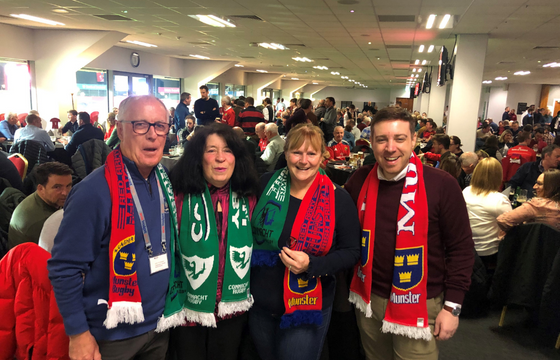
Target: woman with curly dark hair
(215, 186)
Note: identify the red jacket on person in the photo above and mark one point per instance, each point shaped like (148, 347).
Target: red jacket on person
(31, 326)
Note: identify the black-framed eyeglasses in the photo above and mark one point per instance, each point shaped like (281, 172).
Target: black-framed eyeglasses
(141, 127)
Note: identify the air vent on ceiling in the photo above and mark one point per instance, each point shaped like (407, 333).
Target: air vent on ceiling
(277, 65)
(113, 17)
(248, 17)
(396, 18)
(247, 57)
(348, 2)
(506, 62)
(400, 61)
(321, 59)
(372, 49)
(199, 43)
(293, 45)
(546, 48)
(398, 47)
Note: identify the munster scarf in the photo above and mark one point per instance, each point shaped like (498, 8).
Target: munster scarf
(312, 232)
(125, 300)
(406, 313)
(199, 252)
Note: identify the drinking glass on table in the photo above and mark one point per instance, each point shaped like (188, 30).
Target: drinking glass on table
(522, 197)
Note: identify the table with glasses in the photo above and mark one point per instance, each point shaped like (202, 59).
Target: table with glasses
(169, 161)
(339, 172)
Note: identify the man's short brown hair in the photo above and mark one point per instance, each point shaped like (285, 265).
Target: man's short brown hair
(393, 113)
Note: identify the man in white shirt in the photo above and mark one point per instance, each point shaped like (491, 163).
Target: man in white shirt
(275, 146)
(33, 131)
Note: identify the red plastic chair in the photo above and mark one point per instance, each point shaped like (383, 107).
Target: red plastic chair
(21, 119)
(2, 117)
(21, 164)
(94, 116)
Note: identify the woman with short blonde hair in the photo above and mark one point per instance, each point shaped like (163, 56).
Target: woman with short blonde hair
(484, 204)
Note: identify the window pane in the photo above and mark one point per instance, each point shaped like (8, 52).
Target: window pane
(15, 87)
(229, 90)
(120, 91)
(168, 91)
(238, 90)
(92, 91)
(214, 91)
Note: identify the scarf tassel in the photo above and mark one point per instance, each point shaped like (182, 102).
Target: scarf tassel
(204, 319)
(361, 304)
(124, 312)
(177, 319)
(264, 258)
(299, 317)
(229, 308)
(418, 333)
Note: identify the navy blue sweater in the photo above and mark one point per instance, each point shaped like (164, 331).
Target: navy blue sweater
(181, 112)
(85, 132)
(206, 111)
(82, 247)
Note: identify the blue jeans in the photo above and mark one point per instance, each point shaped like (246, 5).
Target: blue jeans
(298, 343)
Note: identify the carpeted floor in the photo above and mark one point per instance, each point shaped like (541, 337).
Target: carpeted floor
(482, 339)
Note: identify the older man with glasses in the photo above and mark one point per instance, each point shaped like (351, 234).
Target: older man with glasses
(111, 260)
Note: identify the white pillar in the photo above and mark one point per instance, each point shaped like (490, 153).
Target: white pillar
(289, 87)
(467, 87)
(437, 101)
(256, 82)
(425, 103)
(311, 90)
(58, 55)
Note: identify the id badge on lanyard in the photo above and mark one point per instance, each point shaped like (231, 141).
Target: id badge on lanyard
(159, 262)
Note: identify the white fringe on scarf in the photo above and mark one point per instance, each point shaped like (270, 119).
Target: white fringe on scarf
(360, 304)
(124, 312)
(172, 321)
(418, 333)
(228, 308)
(204, 319)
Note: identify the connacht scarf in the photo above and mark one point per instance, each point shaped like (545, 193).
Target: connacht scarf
(199, 256)
(312, 232)
(125, 300)
(406, 313)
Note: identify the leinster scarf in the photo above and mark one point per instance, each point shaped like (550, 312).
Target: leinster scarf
(199, 253)
(312, 232)
(406, 313)
(125, 300)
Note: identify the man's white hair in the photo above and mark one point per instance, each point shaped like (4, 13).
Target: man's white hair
(468, 159)
(135, 101)
(272, 128)
(260, 126)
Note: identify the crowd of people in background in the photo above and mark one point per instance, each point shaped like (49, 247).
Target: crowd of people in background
(142, 283)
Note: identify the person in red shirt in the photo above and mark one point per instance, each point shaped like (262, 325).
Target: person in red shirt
(538, 141)
(523, 150)
(338, 148)
(228, 116)
(263, 140)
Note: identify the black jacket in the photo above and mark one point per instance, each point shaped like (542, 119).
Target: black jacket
(85, 132)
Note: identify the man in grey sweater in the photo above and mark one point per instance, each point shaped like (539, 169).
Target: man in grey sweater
(329, 120)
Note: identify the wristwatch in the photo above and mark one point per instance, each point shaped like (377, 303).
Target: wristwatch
(455, 311)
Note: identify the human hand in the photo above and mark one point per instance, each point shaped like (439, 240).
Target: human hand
(296, 261)
(2, 139)
(446, 325)
(83, 347)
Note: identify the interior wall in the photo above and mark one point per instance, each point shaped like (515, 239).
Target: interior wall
(232, 76)
(527, 93)
(553, 95)
(400, 92)
(497, 103)
(16, 42)
(358, 96)
(484, 100)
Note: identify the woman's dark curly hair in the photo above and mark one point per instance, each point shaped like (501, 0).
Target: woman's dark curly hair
(187, 176)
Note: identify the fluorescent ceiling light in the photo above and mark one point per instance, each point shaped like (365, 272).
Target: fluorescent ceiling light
(487, 82)
(295, 78)
(417, 62)
(239, 65)
(37, 19)
(414, 70)
(335, 73)
(273, 46)
(199, 56)
(444, 21)
(522, 73)
(61, 11)
(431, 48)
(302, 59)
(315, 83)
(500, 78)
(552, 64)
(419, 70)
(141, 43)
(321, 67)
(222, 21)
(262, 71)
(417, 75)
(424, 62)
(421, 48)
(430, 22)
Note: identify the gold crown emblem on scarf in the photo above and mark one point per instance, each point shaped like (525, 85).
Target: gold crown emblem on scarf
(123, 255)
(302, 283)
(128, 265)
(399, 260)
(412, 259)
(405, 276)
(363, 241)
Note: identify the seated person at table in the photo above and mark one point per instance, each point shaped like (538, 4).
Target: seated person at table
(8, 127)
(339, 147)
(429, 132)
(54, 182)
(34, 132)
(538, 141)
(441, 145)
(184, 133)
(544, 208)
(263, 140)
(85, 132)
(274, 148)
(348, 136)
(72, 124)
(523, 151)
(527, 175)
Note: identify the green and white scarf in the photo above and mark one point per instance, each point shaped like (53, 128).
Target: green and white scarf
(198, 256)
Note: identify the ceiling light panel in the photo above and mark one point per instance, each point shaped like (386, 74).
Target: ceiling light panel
(37, 19)
(302, 59)
(141, 43)
(444, 21)
(431, 20)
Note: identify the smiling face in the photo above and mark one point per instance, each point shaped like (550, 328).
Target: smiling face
(144, 150)
(392, 145)
(338, 134)
(303, 163)
(539, 189)
(218, 161)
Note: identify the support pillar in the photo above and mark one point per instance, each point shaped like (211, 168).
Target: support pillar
(289, 87)
(424, 106)
(256, 82)
(312, 90)
(467, 87)
(437, 102)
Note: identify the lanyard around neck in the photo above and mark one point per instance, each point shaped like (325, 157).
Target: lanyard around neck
(143, 222)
